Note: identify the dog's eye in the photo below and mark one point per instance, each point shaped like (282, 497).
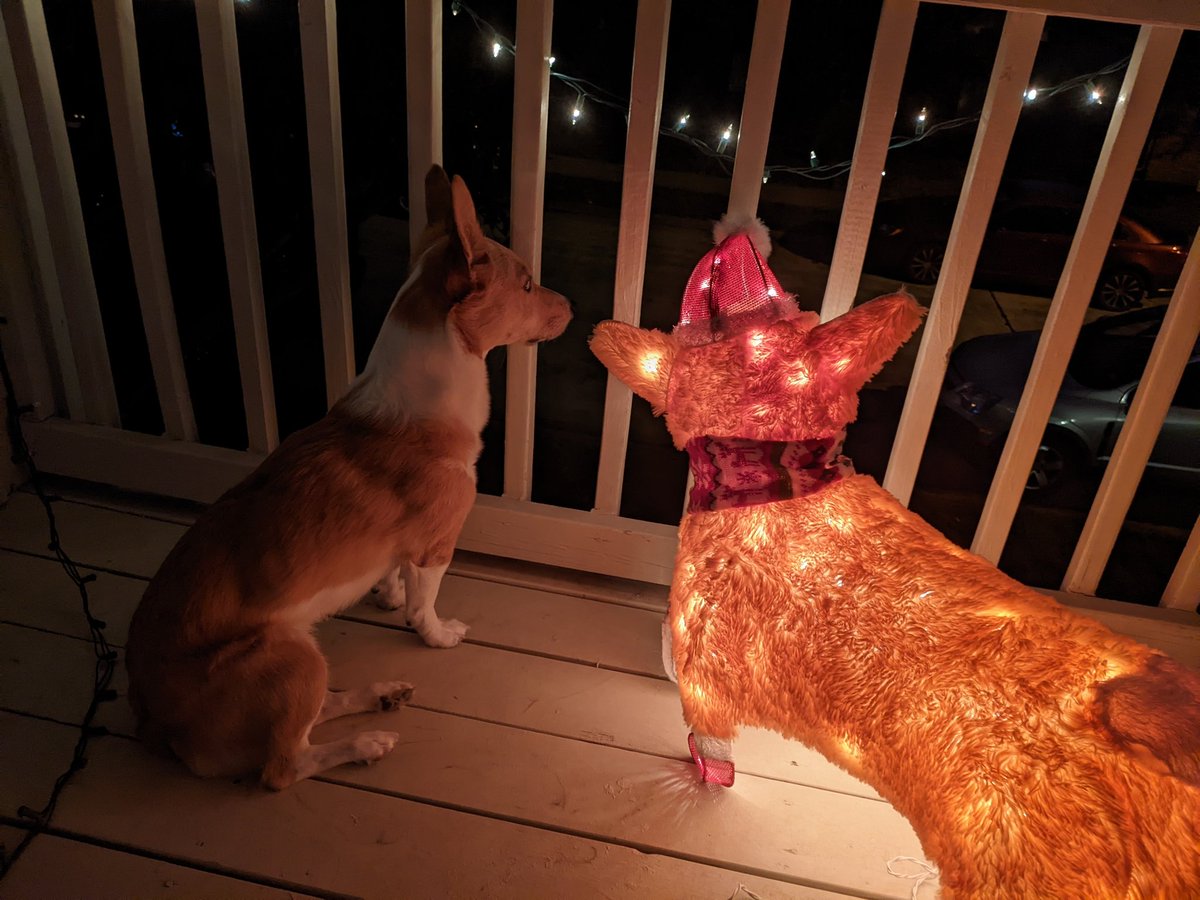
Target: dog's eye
(528, 285)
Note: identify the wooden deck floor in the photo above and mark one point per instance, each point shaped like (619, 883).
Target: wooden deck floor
(544, 757)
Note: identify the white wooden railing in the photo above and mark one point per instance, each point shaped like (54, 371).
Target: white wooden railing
(62, 364)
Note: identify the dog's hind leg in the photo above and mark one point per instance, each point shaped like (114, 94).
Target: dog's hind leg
(421, 589)
(378, 697)
(389, 592)
(293, 676)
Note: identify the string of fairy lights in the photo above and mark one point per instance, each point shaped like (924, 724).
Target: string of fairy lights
(585, 92)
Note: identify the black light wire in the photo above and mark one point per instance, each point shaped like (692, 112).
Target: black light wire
(106, 657)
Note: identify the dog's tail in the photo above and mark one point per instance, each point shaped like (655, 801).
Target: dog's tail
(1156, 709)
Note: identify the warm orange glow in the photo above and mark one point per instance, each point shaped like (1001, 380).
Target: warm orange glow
(850, 749)
(650, 363)
(1034, 752)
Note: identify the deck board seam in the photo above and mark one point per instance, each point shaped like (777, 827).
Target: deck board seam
(357, 620)
(510, 580)
(647, 849)
(181, 861)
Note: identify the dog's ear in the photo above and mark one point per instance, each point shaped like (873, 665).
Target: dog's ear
(466, 224)
(439, 204)
(639, 357)
(856, 345)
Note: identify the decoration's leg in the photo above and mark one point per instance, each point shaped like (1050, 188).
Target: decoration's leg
(714, 757)
(668, 653)
(421, 590)
(389, 592)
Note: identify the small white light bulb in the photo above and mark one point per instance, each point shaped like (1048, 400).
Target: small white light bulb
(1031, 94)
(551, 60)
(495, 49)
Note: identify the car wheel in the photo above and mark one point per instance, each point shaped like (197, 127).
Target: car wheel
(1058, 463)
(925, 263)
(1120, 290)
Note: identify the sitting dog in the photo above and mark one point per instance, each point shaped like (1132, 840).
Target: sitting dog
(1035, 752)
(223, 668)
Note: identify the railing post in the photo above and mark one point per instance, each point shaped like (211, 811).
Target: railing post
(34, 64)
(323, 110)
(637, 188)
(131, 147)
(1133, 112)
(231, 159)
(423, 69)
(892, 40)
(758, 107)
(997, 123)
(1183, 590)
(531, 99)
(22, 214)
(1172, 349)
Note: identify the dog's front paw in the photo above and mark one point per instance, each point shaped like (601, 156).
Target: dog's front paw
(444, 634)
(374, 745)
(392, 694)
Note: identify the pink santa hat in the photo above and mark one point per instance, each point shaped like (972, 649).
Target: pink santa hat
(732, 289)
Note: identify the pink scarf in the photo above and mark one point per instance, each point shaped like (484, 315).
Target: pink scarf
(736, 472)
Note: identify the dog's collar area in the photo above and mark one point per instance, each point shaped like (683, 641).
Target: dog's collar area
(736, 472)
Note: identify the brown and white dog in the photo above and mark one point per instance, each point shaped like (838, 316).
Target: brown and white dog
(223, 667)
(1036, 753)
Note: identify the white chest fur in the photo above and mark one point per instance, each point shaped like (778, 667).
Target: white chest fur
(414, 376)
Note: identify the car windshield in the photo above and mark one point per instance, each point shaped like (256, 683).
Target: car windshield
(1112, 351)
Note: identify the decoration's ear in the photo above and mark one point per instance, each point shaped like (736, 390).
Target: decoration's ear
(439, 205)
(466, 224)
(857, 344)
(639, 357)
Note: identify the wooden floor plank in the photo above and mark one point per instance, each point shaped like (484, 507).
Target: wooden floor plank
(338, 839)
(57, 867)
(787, 830)
(523, 618)
(50, 676)
(590, 585)
(525, 775)
(36, 592)
(28, 771)
(92, 536)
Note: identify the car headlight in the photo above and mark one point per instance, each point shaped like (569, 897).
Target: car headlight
(975, 399)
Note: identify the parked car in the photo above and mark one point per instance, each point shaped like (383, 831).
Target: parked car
(1024, 248)
(986, 375)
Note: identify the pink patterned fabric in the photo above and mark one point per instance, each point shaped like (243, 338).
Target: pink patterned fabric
(712, 771)
(736, 472)
(731, 289)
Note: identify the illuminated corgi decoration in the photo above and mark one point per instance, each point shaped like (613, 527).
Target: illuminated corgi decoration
(1035, 752)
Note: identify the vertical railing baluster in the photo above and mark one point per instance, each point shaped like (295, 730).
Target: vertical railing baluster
(92, 380)
(323, 110)
(637, 187)
(531, 98)
(139, 200)
(231, 159)
(1131, 118)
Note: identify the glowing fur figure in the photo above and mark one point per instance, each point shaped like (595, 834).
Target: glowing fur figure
(1035, 752)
